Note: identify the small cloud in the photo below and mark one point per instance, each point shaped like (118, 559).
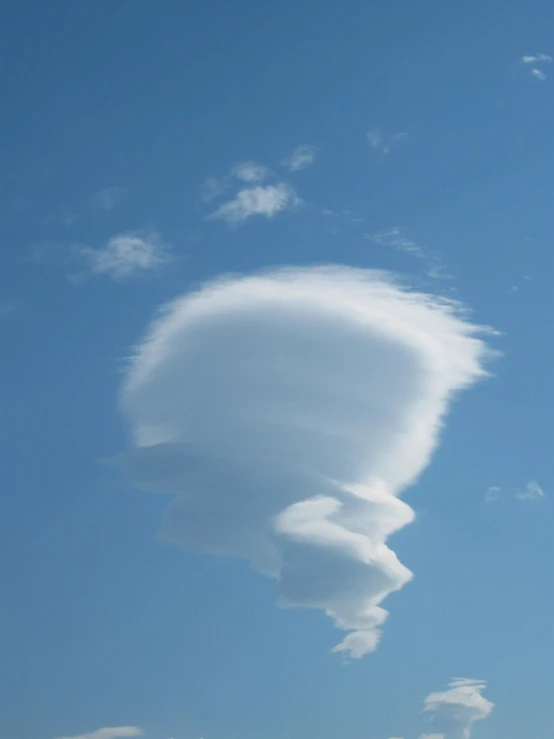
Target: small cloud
(328, 212)
(213, 187)
(538, 74)
(301, 158)
(454, 711)
(108, 198)
(257, 201)
(250, 172)
(532, 492)
(536, 59)
(384, 142)
(492, 494)
(114, 732)
(125, 255)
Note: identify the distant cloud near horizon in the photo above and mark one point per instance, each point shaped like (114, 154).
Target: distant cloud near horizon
(114, 732)
(301, 158)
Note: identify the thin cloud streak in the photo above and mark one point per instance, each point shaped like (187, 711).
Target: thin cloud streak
(301, 158)
(114, 732)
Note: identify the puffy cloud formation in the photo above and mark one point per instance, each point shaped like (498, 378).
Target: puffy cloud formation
(533, 491)
(285, 412)
(454, 710)
(257, 201)
(114, 732)
(125, 255)
(250, 171)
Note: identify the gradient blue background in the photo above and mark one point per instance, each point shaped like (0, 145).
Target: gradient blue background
(101, 624)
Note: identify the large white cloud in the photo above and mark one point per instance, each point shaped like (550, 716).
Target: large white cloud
(454, 711)
(285, 412)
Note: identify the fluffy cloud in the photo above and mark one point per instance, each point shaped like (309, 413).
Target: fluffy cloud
(301, 158)
(285, 412)
(384, 142)
(257, 201)
(492, 494)
(125, 255)
(114, 732)
(532, 492)
(454, 711)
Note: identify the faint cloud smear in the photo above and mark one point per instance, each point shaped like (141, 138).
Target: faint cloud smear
(9, 308)
(492, 494)
(538, 74)
(250, 172)
(454, 711)
(537, 60)
(384, 142)
(213, 187)
(395, 238)
(301, 158)
(257, 201)
(108, 198)
(125, 255)
(284, 413)
(114, 732)
(532, 492)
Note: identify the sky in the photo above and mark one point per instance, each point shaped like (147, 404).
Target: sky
(276, 406)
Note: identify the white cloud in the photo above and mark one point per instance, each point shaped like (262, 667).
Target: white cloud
(257, 201)
(454, 711)
(536, 59)
(532, 492)
(108, 198)
(538, 74)
(125, 255)
(301, 158)
(114, 732)
(384, 142)
(285, 412)
(250, 172)
(492, 494)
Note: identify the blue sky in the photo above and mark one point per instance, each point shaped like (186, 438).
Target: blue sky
(149, 148)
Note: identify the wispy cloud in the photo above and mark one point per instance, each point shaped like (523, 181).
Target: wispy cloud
(454, 711)
(257, 201)
(301, 158)
(384, 142)
(125, 255)
(250, 172)
(538, 74)
(492, 494)
(532, 492)
(108, 198)
(213, 187)
(395, 238)
(537, 60)
(285, 413)
(113, 732)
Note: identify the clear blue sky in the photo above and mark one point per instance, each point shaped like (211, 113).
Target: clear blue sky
(428, 152)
